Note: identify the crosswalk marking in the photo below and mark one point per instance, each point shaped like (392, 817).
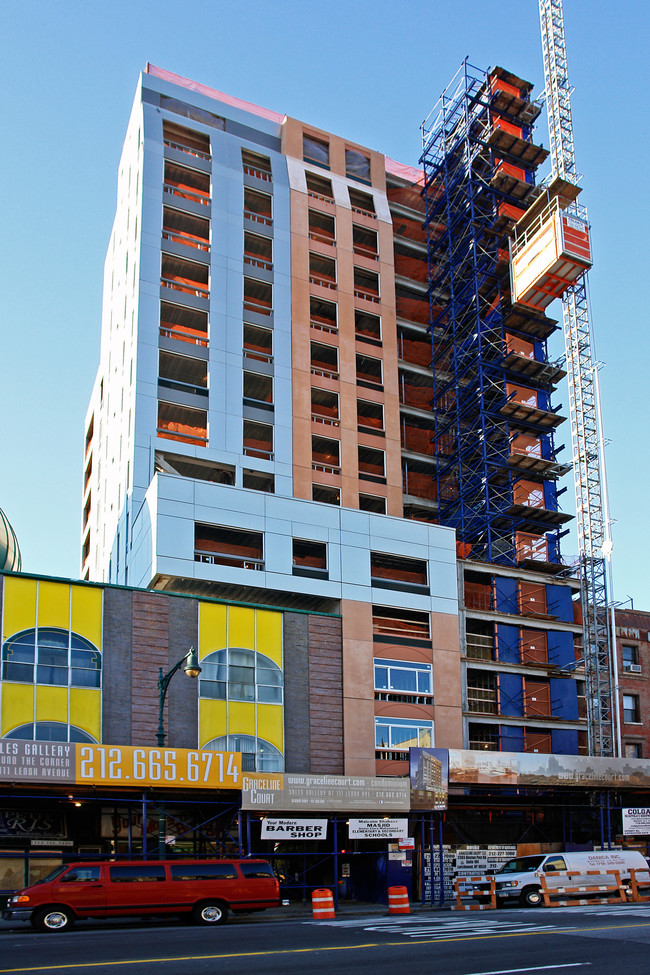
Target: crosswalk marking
(442, 927)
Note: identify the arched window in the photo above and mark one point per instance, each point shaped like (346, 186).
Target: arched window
(50, 655)
(258, 755)
(50, 731)
(241, 675)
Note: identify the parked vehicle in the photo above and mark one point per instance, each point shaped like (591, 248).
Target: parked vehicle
(519, 878)
(205, 890)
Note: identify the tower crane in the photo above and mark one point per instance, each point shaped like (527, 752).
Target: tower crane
(592, 515)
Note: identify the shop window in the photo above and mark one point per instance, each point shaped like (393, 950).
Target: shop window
(236, 674)
(631, 713)
(400, 625)
(315, 151)
(50, 731)
(257, 754)
(49, 655)
(398, 572)
(309, 558)
(357, 165)
(403, 677)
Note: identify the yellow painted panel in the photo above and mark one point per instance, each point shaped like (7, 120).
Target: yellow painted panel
(86, 613)
(270, 724)
(241, 627)
(212, 720)
(17, 705)
(54, 604)
(19, 605)
(86, 710)
(51, 704)
(212, 627)
(269, 635)
(241, 718)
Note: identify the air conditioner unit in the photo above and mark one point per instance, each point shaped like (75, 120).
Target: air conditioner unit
(633, 668)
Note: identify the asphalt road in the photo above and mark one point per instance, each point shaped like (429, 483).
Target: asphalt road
(594, 941)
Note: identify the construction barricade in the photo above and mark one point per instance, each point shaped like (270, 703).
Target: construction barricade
(482, 893)
(398, 900)
(322, 904)
(640, 880)
(573, 887)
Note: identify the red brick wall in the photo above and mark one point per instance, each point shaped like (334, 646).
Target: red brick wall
(325, 695)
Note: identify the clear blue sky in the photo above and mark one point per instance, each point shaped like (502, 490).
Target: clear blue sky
(370, 71)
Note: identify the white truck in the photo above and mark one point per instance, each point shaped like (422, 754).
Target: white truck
(518, 879)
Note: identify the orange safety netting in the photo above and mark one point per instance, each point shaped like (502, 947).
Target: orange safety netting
(406, 227)
(413, 310)
(411, 267)
(418, 353)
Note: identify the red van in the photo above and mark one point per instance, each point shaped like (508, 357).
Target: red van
(205, 890)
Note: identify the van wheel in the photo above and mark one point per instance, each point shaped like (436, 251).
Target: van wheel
(531, 897)
(210, 912)
(53, 919)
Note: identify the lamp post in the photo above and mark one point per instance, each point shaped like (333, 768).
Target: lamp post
(192, 668)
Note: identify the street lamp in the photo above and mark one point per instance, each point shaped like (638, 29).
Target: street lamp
(192, 668)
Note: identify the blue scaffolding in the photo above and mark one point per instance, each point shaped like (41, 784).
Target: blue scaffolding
(479, 163)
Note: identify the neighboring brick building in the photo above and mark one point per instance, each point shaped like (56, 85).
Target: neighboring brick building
(633, 655)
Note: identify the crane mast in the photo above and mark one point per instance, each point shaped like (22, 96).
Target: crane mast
(584, 407)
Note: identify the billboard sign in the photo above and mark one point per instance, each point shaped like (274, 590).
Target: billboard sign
(636, 822)
(293, 829)
(287, 792)
(377, 829)
(429, 777)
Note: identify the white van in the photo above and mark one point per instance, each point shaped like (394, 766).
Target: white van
(519, 878)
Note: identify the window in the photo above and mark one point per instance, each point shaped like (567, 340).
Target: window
(316, 151)
(366, 284)
(200, 470)
(357, 165)
(189, 111)
(258, 391)
(372, 464)
(325, 407)
(309, 558)
(479, 638)
(403, 677)
(324, 360)
(183, 373)
(631, 714)
(483, 737)
(203, 871)
(325, 455)
(136, 873)
(400, 625)
(258, 440)
(49, 655)
(188, 277)
(322, 314)
(182, 423)
(319, 187)
(367, 327)
(370, 416)
(255, 164)
(256, 869)
(481, 692)
(322, 271)
(362, 203)
(325, 494)
(364, 242)
(258, 481)
(258, 251)
(403, 733)
(322, 227)
(372, 502)
(630, 658)
(398, 572)
(49, 731)
(187, 229)
(258, 207)
(258, 343)
(228, 546)
(182, 183)
(183, 324)
(633, 749)
(81, 875)
(240, 675)
(369, 371)
(258, 297)
(258, 755)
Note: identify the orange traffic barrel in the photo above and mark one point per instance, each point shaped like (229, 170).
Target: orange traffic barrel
(398, 900)
(322, 904)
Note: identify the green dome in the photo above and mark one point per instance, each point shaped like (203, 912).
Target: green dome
(10, 558)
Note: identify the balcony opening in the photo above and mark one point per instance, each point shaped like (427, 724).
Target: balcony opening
(411, 305)
(479, 593)
(370, 416)
(325, 455)
(257, 165)
(417, 435)
(372, 502)
(367, 327)
(483, 737)
(322, 227)
(258, 440)
(315, 151)
(325, 407)
(415, 390)
(322, 314)
(182, 423)
(180, 137)
(89, 434)
(258, 296)
(86, 516)
(258, 343)
(186, 184)
(372, 464)
(228, 546)
(410, 263)
(258, 251)
(258, 391)
(322, 271)
(183, 373)
(188, 277)
(88, 472)
(183, 324)
(325, 494)
(391, 625)
(196, 469)
(187, 229)
(398, 572)
(481, 692)
(366, 284)
(319, 187)
(415, 348)
(357, 165)
(364, 242)
(362, 202)
(369, 371)
(309, 559)
(418, 481)
(324, 360)
(479, 640)
(258, 481)
(258, 207)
